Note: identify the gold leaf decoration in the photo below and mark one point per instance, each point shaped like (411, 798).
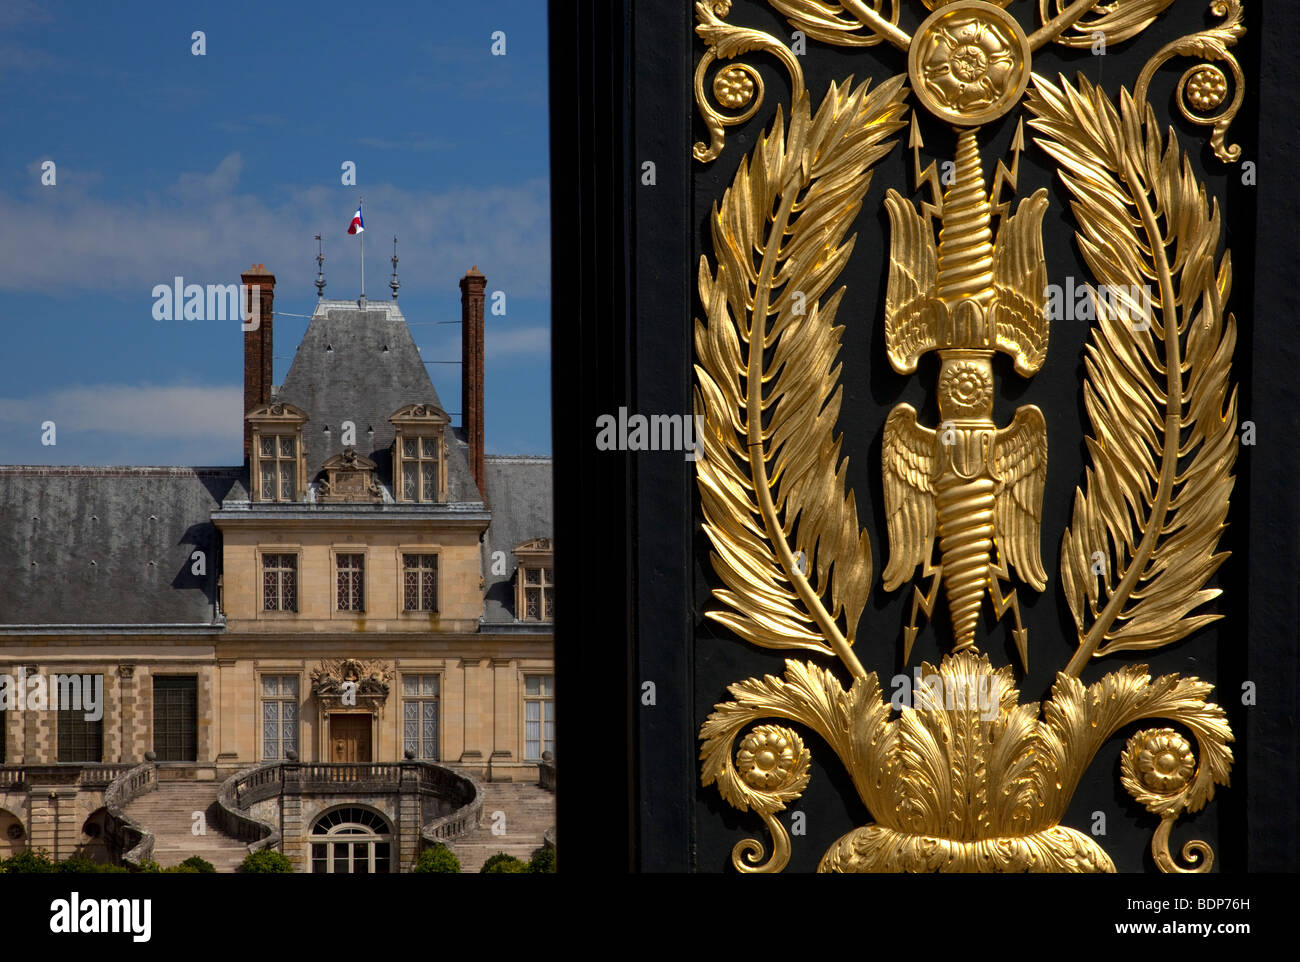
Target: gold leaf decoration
(851, 23)
(771, 480)
(807, 694)
(1141, 544)
(966, 777)
(1116, 21)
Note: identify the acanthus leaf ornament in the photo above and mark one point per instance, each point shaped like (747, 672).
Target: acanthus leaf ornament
(968, 778)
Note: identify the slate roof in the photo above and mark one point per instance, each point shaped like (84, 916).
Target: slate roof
(361, 366)
(520, 497)
(108, 546)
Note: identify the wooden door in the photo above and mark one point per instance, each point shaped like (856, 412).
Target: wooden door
(349, 738)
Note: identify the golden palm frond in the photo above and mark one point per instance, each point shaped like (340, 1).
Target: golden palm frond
(1116, 21)
(771, 480)
(1141, 545)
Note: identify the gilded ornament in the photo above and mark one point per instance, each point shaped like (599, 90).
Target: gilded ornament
(969, 62)
(968, 778)
(735, 86)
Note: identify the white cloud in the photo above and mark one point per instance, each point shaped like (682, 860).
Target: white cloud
(203, 228)
(500, 342)
(210, 414)
(15, 13)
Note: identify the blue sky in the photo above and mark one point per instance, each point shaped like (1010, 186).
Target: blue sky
(168, 164)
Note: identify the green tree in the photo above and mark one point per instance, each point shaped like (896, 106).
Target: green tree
(504, 864)
(439, 858)
(266, 861)
(29, 862)
(543, 860)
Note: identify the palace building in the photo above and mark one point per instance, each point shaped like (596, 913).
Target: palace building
(341, 649)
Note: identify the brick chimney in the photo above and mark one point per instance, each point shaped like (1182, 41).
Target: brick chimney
(257, 344)
(471, 370)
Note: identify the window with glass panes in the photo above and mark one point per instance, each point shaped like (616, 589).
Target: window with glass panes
(278, 459)
(351, 582)
(419, 469)
(419, 582)
(175, 718)
(81, 740)
(279, 582)
(539, 594)
(351, 841)
(420, 716)
(539, 716)
(279, 715)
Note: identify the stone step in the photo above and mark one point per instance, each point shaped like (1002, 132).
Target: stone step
(167, 812)
(529, 812)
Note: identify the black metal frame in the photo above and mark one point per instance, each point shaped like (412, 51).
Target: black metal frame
(620, 89)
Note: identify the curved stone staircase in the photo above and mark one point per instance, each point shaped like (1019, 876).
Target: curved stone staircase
(168, 812)
(529, 813)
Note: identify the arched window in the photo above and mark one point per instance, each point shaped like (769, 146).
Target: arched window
(351, 841)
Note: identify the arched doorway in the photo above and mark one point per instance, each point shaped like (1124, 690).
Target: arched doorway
(94, 837)
(13, 834)
(351, 841)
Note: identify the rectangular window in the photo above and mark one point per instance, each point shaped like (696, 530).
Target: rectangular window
(80, 740)
(419, 582)
(351, 582)
(278, 455)
(420, 469)
(279, 715)
(539, 594)
(279, 582)
(175, 718)
(539, 716)
(420, 716)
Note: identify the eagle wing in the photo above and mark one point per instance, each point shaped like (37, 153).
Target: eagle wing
(910, 330)
(1020, 285)
(907, 460)
(1020, 462)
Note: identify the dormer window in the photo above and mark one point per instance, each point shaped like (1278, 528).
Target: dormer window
(420, 468)
(277, 456)
(420, 453)
(277, 467)
(535, 581)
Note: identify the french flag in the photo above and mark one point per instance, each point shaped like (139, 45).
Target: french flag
(356, 227)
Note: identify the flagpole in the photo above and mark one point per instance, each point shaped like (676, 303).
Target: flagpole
(361, 200)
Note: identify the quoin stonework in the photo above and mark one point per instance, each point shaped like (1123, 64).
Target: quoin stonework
(341, 649)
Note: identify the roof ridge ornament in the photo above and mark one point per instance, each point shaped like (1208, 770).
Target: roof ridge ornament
(320, 260)
(394, 283)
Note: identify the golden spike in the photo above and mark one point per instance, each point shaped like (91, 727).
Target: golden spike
(966, 237)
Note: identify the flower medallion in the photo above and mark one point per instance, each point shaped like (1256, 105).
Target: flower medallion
(969, 62)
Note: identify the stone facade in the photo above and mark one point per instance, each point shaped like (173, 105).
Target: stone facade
(165, 602)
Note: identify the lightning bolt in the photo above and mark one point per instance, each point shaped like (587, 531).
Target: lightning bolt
(933, 208)
(1005, 178)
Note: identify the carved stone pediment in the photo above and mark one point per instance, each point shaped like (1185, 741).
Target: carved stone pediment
(349, 477)
(419, 414)
(276, 412)
(335, 681)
